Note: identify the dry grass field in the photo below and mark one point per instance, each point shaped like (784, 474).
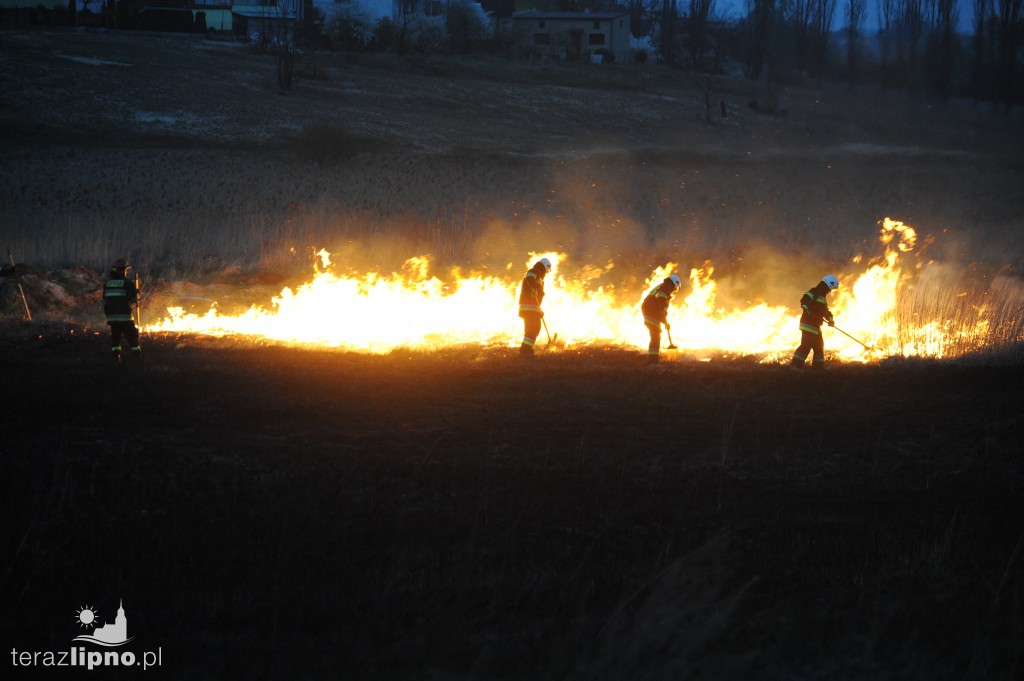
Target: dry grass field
(270, 512)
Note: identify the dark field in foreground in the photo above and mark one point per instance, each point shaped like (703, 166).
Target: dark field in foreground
(268, 512)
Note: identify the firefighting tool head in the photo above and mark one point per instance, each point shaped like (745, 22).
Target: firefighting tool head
(831, 281)
(674, 278)
(546, 263)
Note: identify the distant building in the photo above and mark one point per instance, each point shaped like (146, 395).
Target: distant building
(573, 36)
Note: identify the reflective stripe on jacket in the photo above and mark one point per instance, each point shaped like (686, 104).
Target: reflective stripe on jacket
(119, 294)
(531, 294)
(655, 305)
(815, 309)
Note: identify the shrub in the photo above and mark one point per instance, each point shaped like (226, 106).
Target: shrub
(385, 35)
(349, 26)
(425, 35)
(468, 26)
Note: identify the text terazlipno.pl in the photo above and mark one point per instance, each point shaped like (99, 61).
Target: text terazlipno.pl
(90, 659)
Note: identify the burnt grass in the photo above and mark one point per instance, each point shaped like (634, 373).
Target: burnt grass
(272, 512)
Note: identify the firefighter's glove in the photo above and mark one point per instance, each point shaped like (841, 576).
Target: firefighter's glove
(667, 326)
(831, 321)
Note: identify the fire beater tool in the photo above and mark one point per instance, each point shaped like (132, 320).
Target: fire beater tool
(855, 340)
(543, 321)
(671, 345)
(17, 278)
(138, 303)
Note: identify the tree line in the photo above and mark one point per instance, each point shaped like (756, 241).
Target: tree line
(913, 44)
(917, 45)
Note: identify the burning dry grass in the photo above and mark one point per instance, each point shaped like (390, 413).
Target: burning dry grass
(270, 512)
(896, 303)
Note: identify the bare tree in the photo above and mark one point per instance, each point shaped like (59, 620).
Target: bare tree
(760, 18)
(640, 17)
(887, 10)
(981, 46)
(942, 45)
(700, 11)
(909, 26)
(824, 17)
(854, 16)
(669, 23)
(1009, 36)
(283, 40)
(800, 16)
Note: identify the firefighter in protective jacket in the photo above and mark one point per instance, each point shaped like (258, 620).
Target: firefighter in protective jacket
(655, 310)
(531, 295)
(815, 312)
(120, 295)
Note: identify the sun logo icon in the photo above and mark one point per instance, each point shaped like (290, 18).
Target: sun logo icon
(86, 617)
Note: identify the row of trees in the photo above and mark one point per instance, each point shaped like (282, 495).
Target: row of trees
(913, 44)
(916, 45)
(424, 27)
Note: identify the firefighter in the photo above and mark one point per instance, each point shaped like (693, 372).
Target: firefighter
(815, 311)
(655, 310)
(119, 297)
(531, 295)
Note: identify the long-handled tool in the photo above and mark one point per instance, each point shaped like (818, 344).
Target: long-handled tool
(17, 278)
(542, 320)
(671, 345)
(860, 342)
(138, 303)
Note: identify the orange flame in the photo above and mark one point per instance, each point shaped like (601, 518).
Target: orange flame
(411, 308)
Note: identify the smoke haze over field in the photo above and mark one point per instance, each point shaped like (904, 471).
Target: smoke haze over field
(621, 179)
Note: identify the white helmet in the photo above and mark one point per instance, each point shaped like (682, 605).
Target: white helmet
(674, 278)
(547, 264)
(831, 281)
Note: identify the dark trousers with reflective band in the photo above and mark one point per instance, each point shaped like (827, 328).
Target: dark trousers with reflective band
(130, 333)
(653, 328)
(810, 342)
(531, 329)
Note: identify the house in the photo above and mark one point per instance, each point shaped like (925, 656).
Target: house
(573, 36)
(261, 19)
(240, 17)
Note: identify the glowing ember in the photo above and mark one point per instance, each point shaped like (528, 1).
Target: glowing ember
(412, 308)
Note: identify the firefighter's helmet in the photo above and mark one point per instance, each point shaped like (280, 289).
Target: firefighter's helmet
(546, 263)
(831, 281)
(120, 264)
(674, 278)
